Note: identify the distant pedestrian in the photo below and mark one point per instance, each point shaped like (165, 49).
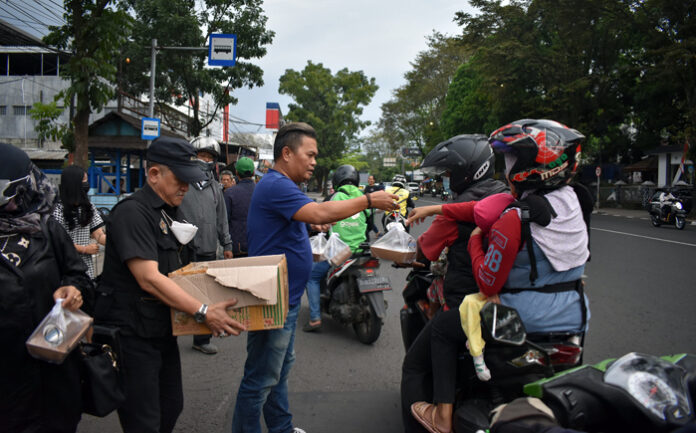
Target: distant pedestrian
(79, 217)
(227, 179)
(204, 207)
(237, 200)
(278, 215)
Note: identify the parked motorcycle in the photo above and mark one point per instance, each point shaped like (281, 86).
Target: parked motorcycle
(668, 212)
(636, 393)
(352, 295)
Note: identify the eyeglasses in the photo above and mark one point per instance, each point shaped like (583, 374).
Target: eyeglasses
(8, 188)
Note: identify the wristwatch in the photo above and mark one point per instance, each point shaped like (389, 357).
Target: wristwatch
(200, 315)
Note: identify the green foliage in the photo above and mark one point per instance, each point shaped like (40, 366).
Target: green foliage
(182, 76)
(93, 32)
(46, 116)
(412, 117)
(332, 104)
(356, 159)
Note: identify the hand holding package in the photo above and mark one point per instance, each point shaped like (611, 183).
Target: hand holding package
(58, 334)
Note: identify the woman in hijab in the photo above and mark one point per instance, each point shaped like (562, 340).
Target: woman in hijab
(38, 265)
(79, 217)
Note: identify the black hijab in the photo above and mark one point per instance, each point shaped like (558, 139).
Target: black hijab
(76, 206)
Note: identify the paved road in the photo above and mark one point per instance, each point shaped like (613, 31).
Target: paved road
(641, 285)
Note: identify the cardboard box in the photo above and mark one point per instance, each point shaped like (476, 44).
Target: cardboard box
(393, 255)
(251, 272)
(39, 347)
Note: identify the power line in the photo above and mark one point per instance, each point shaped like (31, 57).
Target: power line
(19, 19)
(49, 10)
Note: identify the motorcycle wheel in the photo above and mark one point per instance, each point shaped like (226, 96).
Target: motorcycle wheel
(368, 330)
(655, 220)
(680, 222)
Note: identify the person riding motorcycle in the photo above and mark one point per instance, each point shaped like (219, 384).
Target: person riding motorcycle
(536, 252)
(351, 230)
(469, 162)
(405, 201)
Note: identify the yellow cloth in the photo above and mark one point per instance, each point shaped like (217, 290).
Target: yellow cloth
(469, 315)
(403, 194)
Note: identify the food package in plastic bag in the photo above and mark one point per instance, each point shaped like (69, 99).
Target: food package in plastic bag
(318, 244)
(336, 251)
(396, 245)
(58, 334)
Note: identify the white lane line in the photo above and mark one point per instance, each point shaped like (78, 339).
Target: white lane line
(644, 237)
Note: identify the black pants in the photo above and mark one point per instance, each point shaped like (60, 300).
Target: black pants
(416, 379)
(152, 379)
(199, 340)
(447, 337)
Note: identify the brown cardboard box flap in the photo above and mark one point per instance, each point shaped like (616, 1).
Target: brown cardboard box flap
(260, 281)
(254, 313)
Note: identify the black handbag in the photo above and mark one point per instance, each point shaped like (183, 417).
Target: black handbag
(102, 388)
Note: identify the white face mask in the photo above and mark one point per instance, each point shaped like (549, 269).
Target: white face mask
(183, 232)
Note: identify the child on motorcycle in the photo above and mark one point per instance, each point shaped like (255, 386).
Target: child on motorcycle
(536, 252)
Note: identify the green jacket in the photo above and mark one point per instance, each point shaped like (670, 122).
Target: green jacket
(352, 229)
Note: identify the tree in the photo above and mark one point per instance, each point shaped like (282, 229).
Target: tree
(183, 76)
(94, 32)
(412, 117)
(332, 104)
(47, 125)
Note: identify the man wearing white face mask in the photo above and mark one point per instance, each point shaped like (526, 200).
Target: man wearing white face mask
(204, 207)
(144, 245)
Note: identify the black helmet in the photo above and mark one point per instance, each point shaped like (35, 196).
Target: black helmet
(345, 174)
(542, 153)
(467, 157)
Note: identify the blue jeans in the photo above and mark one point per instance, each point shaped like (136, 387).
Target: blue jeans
(270, 355)
(319, 270)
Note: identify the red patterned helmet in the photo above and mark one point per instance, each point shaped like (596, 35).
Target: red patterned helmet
(539, 153)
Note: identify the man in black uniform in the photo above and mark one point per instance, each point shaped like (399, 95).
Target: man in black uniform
(145, 244)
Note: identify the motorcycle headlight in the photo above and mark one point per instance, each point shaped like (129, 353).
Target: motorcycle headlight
(657, 385)
(678, 205)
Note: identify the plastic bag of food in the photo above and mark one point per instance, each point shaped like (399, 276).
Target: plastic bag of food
(58, 334)
(318, 244)
(336, 251)
(396, 245)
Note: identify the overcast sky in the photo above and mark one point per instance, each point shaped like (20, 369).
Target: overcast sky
(378, 37)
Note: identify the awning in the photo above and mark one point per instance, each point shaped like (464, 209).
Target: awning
(46, 155)
(647, 164)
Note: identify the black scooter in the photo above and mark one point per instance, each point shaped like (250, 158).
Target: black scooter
(352, 295)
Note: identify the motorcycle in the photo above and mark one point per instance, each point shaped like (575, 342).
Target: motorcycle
(514, 358)
(352, 294)
(636, 393)
(668, 212)
(444, 195)
(395, 216)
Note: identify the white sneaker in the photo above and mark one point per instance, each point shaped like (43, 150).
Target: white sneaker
(298, 430)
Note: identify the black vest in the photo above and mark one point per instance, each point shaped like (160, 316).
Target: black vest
(459, 280)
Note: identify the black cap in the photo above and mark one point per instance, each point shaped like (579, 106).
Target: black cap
(179, 156)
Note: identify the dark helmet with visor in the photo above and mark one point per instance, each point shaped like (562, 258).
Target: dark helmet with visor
(344, 175)
(468, 158)
(539, 153)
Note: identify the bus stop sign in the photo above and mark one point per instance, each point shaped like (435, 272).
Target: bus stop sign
(222, 49)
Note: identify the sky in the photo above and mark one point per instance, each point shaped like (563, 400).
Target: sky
(378, 37)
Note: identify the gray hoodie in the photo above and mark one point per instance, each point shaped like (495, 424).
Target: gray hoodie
(204, 207)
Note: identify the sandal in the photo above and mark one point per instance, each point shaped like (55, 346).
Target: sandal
(419, 409)
(308, 327)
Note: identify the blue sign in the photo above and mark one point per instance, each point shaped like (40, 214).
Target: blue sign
(222, 49)
(150, 128)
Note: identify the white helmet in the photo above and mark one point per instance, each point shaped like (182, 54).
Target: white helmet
(206, 144)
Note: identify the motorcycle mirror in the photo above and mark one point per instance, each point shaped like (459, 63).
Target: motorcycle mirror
(503, 324)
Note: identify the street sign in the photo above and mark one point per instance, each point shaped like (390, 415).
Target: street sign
(410, 151)
(598, 171)
(222, 49)
(149, 128)
(389, 162)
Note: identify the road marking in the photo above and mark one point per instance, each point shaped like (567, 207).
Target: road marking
(645, 237)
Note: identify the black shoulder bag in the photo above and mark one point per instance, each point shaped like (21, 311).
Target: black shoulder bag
(102, 389)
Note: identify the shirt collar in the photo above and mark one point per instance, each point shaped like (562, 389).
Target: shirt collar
(155, 200)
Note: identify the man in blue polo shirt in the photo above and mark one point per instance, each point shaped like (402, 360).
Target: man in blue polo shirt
(276, 224)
